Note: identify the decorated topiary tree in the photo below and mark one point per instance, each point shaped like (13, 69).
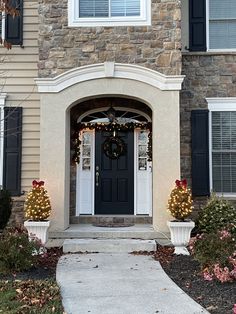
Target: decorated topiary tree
(180, 203)
(37, 204)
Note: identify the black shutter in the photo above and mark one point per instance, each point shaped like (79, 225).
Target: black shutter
(12, 150)
(200, 153)
(197, 25)
(14, 25)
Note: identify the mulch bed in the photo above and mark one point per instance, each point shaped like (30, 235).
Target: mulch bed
(214, 296)
(45, 269)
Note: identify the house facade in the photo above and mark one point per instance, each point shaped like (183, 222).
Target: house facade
(128, 97)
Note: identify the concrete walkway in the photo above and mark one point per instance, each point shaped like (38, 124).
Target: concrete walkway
(119, 283)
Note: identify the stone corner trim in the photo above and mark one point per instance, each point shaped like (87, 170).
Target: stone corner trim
(109, 70)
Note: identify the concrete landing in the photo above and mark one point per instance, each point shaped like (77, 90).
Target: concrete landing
(108, 245)
(145, 232)
(119, 284)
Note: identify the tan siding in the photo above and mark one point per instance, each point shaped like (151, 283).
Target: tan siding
(18, 69)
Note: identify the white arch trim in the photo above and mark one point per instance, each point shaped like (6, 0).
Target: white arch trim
(109, 70)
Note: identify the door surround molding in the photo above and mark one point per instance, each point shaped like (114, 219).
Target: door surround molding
(55, 108)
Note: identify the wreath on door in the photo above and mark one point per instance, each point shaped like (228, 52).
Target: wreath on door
(114, 147)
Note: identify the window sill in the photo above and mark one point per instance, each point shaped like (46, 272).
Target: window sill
(208, 53)
(227, 196)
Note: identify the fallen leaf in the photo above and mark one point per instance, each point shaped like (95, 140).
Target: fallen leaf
(211, 307)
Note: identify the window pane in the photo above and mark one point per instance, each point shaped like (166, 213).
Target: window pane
(93, 8)
(125, 7)
(222, 34)
(86, 138)
(142, 137)
(224, 172)
(222, 9)
(86, 164)
(86, 150)
(142, 164)
(142, 151)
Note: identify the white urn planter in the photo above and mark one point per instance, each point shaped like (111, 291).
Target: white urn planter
(180, 235)
(37, 229)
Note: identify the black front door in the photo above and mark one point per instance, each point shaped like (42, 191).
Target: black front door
(114, 178)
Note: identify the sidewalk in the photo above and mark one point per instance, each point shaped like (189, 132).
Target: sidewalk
(119, 283)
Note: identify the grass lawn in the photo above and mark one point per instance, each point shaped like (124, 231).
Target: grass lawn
(30, 296)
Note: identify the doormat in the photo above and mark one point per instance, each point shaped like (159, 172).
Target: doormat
(112, 225)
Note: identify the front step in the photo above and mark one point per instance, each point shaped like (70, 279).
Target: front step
(84, 231)
(108, 245)
(110, 219)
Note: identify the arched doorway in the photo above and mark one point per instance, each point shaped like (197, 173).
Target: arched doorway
(58, 95)
(114, 158)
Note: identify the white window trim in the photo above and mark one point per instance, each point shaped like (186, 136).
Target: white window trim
(3, 35)
(75, 21)
(208, 36)
(218, 104)
(2, 104)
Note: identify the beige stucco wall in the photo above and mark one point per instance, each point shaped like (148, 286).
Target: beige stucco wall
(55, 140)
(18, 70)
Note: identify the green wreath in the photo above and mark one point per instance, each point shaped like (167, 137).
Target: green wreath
(114, 147)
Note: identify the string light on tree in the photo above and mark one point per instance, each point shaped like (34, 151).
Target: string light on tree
(37, 204)
(180, 203)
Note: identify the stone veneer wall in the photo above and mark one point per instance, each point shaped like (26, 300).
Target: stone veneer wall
(62, 48)
(207, 75)
(17, 215)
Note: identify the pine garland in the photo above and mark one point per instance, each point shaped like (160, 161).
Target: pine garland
(114, 126)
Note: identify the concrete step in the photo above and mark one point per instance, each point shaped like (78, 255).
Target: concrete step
(108, 245)
(110, 219)
(82, 231)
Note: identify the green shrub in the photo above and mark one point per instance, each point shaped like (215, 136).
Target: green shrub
(212, 248)
(5, 208)
(17, 253)
(218, 214)
(216, 253)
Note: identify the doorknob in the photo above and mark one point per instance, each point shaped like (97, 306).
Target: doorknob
(97, 176)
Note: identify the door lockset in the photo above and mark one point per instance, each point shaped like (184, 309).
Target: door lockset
(97, 176)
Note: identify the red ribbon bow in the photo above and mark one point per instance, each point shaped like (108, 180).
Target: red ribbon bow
(37, 183)
(181, 183)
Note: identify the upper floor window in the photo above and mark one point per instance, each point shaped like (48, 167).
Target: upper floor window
(109, 12)
(11, 27)
(212, 25)
(222, 24)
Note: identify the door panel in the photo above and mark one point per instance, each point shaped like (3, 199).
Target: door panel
(114, 186)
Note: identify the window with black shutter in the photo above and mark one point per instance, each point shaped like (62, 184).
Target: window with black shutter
(200, 152)
(14, 24)
(12, 150)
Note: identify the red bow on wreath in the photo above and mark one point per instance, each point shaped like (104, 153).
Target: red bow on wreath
(181, 183)
(37, 183)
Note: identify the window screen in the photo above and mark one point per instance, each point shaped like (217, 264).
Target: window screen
(224, 151)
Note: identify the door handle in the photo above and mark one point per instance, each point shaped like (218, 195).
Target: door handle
(97, 178)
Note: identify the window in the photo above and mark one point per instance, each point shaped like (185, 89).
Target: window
(109, 12)
(142, 149)
(212, 25)
(223, 147)
(11, 28)
(222, 24)
(86, 150)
